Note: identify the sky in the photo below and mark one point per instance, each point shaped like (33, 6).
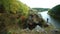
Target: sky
(41, 3)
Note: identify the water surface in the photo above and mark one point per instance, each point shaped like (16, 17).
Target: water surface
(51, 20)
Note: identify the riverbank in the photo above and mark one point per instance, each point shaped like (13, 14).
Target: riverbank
(54, 16)
(51, 20)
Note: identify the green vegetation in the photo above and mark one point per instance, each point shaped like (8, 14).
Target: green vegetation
(10, 12)
(10, 16)
(55, 11)
(41, 9)
(13, 6)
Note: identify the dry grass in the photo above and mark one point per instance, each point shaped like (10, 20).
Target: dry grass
(17, 30)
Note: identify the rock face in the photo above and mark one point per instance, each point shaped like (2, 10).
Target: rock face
(55, 11)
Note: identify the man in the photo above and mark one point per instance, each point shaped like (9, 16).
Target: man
(47, 20)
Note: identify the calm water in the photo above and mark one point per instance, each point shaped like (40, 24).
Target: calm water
(51, 20)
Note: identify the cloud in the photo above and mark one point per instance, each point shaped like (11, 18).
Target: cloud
(41, 3)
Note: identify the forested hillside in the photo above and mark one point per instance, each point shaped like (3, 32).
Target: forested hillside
(55, 11)
(41, 9)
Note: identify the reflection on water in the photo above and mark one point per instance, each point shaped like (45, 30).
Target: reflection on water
(51, 20)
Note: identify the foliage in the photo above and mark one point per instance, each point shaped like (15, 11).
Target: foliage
(55, 11)
(10, 12)
(14, 6)
(41, 9)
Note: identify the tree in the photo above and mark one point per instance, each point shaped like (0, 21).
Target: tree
(55, 11)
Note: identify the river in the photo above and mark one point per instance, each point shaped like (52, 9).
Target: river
(51, 20)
